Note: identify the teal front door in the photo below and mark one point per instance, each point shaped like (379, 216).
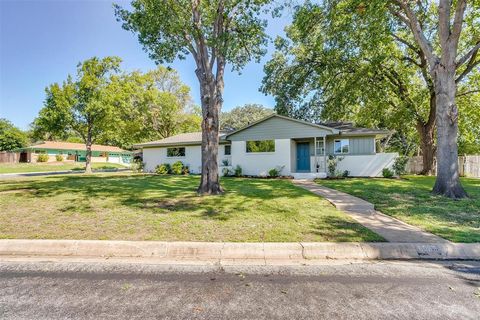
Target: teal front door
(303, 157)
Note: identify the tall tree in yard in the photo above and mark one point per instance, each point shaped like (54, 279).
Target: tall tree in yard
(81, 105)
(215, 33)
(356, 59)
(448, 65)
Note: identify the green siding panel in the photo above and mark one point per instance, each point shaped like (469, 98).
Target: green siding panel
(278, 128)
(358, 145)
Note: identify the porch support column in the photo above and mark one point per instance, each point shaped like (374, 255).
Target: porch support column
(315, 153)
(324, 153)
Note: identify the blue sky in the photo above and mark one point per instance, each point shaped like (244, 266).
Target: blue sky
(42, 41)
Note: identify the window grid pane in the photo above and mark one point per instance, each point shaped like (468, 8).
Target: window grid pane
(338, 146)
(320, 147)
(228, 150)
(176, 152)
(342, 146)
(260, 146)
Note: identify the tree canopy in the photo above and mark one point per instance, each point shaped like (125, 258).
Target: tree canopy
(129, 108)
(242, 116)
(11, 137)
(151, 106)
(82, 104)
(211, 31)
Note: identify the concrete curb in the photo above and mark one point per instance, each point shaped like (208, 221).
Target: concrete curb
(237, 253)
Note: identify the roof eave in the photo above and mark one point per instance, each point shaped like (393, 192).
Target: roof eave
(73, 149)
(172, 144)
(377, 134)
(334, 131)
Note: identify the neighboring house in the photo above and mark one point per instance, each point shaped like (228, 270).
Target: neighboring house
(75, 152)
(300, 148)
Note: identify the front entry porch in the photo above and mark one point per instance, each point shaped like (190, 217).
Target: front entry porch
(309, 158)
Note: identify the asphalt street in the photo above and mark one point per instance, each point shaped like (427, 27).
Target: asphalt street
(380, 290)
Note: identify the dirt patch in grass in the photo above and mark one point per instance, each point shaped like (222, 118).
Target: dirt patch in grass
(172, 204)
(18, 191)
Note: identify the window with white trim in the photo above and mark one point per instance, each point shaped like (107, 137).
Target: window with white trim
(320, 147)
(341, 146)
(176, 152)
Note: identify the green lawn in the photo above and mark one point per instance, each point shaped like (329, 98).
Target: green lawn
(52, 166)
(410, 200)
(149, 207)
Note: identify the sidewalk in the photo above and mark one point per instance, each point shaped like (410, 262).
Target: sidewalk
(391, 229)
(230, 253)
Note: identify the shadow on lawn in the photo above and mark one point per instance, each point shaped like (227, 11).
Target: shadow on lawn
(334, 228)
(161, 194)
(411, 198)
(168, 207)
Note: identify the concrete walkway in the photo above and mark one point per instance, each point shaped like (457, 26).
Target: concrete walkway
(393, 230)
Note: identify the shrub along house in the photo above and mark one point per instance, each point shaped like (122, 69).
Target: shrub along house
(300, 149)
(75, 152)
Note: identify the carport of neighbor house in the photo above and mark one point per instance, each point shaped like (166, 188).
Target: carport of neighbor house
(74, 152)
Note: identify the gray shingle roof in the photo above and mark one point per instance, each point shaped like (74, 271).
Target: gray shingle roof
(190, 138)
(195, 138)
(348, 128)
(61, 145)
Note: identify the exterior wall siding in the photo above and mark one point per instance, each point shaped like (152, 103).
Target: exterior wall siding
(366, 165)
(293, 156)
(277, 128)
(258, 164)
(193, 158)
(360, 161)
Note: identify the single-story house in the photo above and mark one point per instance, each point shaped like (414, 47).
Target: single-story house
(299, 148)
(74, 152)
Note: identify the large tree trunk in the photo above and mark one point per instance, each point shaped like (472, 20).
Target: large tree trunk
(442, 69)
(426, 131)
(427, 147)
(88, 156)
(211, 91)
(211, 105)
(448, 180)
